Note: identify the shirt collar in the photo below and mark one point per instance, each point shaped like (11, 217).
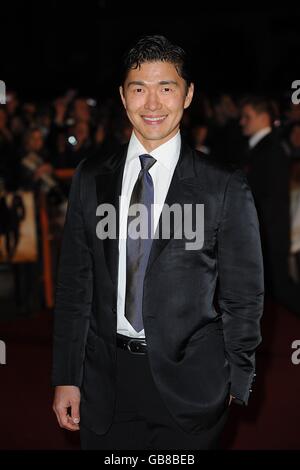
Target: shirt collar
(258, 136)
(166, 154)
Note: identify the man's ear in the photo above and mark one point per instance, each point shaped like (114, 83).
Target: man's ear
(122, 96)
(189, 96)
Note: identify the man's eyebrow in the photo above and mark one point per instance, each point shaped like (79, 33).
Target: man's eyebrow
(136, 82)
(168, 82)
(161, 82)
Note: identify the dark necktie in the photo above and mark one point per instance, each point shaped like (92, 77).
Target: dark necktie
(138, 250)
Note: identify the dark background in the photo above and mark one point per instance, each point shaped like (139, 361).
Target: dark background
(47, 47)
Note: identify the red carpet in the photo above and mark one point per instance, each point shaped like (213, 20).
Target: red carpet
(271, 421)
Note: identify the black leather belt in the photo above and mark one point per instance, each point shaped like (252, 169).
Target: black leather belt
(133, 345)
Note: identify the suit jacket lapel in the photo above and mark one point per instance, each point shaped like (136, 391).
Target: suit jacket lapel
(178, 193)
(109, 187)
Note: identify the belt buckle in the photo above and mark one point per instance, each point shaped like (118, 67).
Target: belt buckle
(132, 340)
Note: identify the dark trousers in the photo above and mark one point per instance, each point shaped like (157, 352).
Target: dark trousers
(141, 419)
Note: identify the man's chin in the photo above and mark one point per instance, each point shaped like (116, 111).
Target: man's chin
(154, 136)
(245, 134)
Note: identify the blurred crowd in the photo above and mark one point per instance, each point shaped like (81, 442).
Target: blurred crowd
(259, 135)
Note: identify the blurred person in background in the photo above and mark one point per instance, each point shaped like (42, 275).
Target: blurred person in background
(292, 147)
(82, 111)
(8, 158)
(60, 107)
(267, 168)
(37, 171)
(34, 149)
(79, 144)
(44, 121)
(294, 261)
(105, 139)
(292, 140)
(29, 111)
(227, 144)
(199, 137)
(292, 113)
(16, 215)
(15, 120)
(6, 137)
(25, 275)
(122, 128)
(58, 131)
(4, 223)
(34, 142)
(12, 103)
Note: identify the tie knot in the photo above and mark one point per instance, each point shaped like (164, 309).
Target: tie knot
(147, 161)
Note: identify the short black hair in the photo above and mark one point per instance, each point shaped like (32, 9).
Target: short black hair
(261, 104)
(156, 48)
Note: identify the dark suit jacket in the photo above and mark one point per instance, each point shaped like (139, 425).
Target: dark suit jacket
(198, 353)
(268, 175)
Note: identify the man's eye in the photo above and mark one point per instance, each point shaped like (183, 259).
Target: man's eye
(138, 90)
(166, 89)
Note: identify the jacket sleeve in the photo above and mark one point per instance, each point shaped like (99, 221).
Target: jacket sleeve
(73, 297)
(241, 283)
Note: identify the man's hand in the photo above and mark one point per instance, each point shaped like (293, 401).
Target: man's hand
(67, 396)
(230, 400)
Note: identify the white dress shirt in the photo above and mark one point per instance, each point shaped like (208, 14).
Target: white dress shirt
(258, 136)
(166, 156)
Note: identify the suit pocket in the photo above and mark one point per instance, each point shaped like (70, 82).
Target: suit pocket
(215, 327)
(208, 342)
(194, 245)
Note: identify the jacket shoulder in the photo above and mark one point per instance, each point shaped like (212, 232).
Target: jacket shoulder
(102, 163)
(211, 171)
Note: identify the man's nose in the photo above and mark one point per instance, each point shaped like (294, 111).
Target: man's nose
(152, 102)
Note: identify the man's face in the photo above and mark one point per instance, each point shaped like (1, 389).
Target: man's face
(82, 111)
(155, 97)
(252, 121)
(36, 141)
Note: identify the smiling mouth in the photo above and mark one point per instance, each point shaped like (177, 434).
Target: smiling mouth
(153, 120)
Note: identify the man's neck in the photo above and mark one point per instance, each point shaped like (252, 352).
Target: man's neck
(258, 136)
(151, 145)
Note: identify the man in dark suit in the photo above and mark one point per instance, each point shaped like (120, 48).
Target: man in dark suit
(267, 168)
(154, 335)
